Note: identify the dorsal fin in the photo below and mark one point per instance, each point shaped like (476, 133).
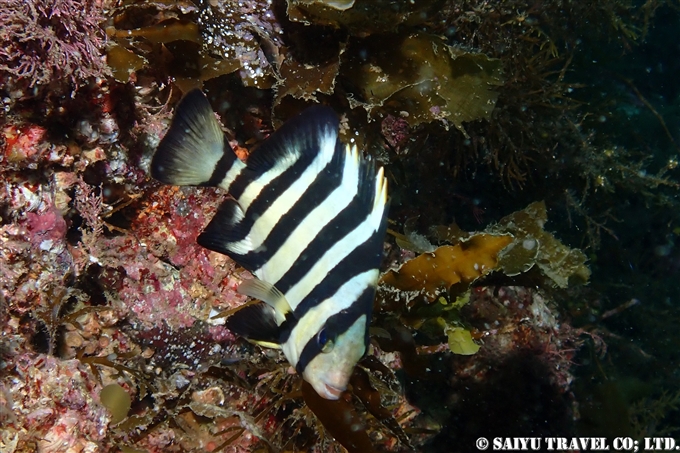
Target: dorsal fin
(256, 323)
(194, 151)
(305, 133)
(268, 294)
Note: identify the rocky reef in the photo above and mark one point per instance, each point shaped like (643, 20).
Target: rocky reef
(530, 266)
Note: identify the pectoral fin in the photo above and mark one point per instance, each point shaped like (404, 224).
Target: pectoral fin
(268, 294)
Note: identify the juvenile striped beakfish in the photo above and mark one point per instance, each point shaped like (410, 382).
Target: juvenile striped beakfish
(306, 216)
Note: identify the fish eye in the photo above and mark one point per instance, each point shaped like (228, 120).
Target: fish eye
(324, 341)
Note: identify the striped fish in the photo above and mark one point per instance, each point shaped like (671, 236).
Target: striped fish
(306, 216)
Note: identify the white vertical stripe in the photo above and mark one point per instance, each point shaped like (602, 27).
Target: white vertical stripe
(311, 225)
(264, 225)
(255, 186)
(236, 168)
(342, 248)
(316, 317)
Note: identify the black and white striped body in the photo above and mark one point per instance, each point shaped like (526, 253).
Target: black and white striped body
(306, 217)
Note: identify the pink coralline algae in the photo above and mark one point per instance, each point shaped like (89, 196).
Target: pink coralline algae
(45, 41)
(84, 268)
(46, 228)
(517, 319)
(33, 247)
(396, 131)
(54, 403)
(23, 143)
(169, 277)
(25, 146)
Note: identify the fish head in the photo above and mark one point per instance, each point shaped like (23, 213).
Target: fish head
(330, 369)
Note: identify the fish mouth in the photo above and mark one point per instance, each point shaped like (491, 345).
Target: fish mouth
(332, 393)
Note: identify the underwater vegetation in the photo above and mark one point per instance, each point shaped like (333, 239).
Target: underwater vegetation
(46, 44)
(531, 261)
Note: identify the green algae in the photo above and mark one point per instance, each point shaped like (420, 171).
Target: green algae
(117, 401)
(460, 341)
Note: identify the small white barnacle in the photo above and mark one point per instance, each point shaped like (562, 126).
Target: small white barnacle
(529, 243)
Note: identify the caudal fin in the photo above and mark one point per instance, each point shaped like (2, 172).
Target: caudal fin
(194, 152)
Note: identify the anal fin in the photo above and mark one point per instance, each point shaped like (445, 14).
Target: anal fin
(256, 323)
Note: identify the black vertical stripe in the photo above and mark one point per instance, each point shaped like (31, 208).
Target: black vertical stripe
(344, 223)
(283, 182)
(304, 134)
(275, 188)
(241, 182)
(340, 226)
(316, 193)
(363, 258)
(226, 162)
(222, 229)
(338, 324)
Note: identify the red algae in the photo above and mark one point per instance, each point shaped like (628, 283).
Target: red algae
(50, 48)
(102, 282)
(54, 402)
